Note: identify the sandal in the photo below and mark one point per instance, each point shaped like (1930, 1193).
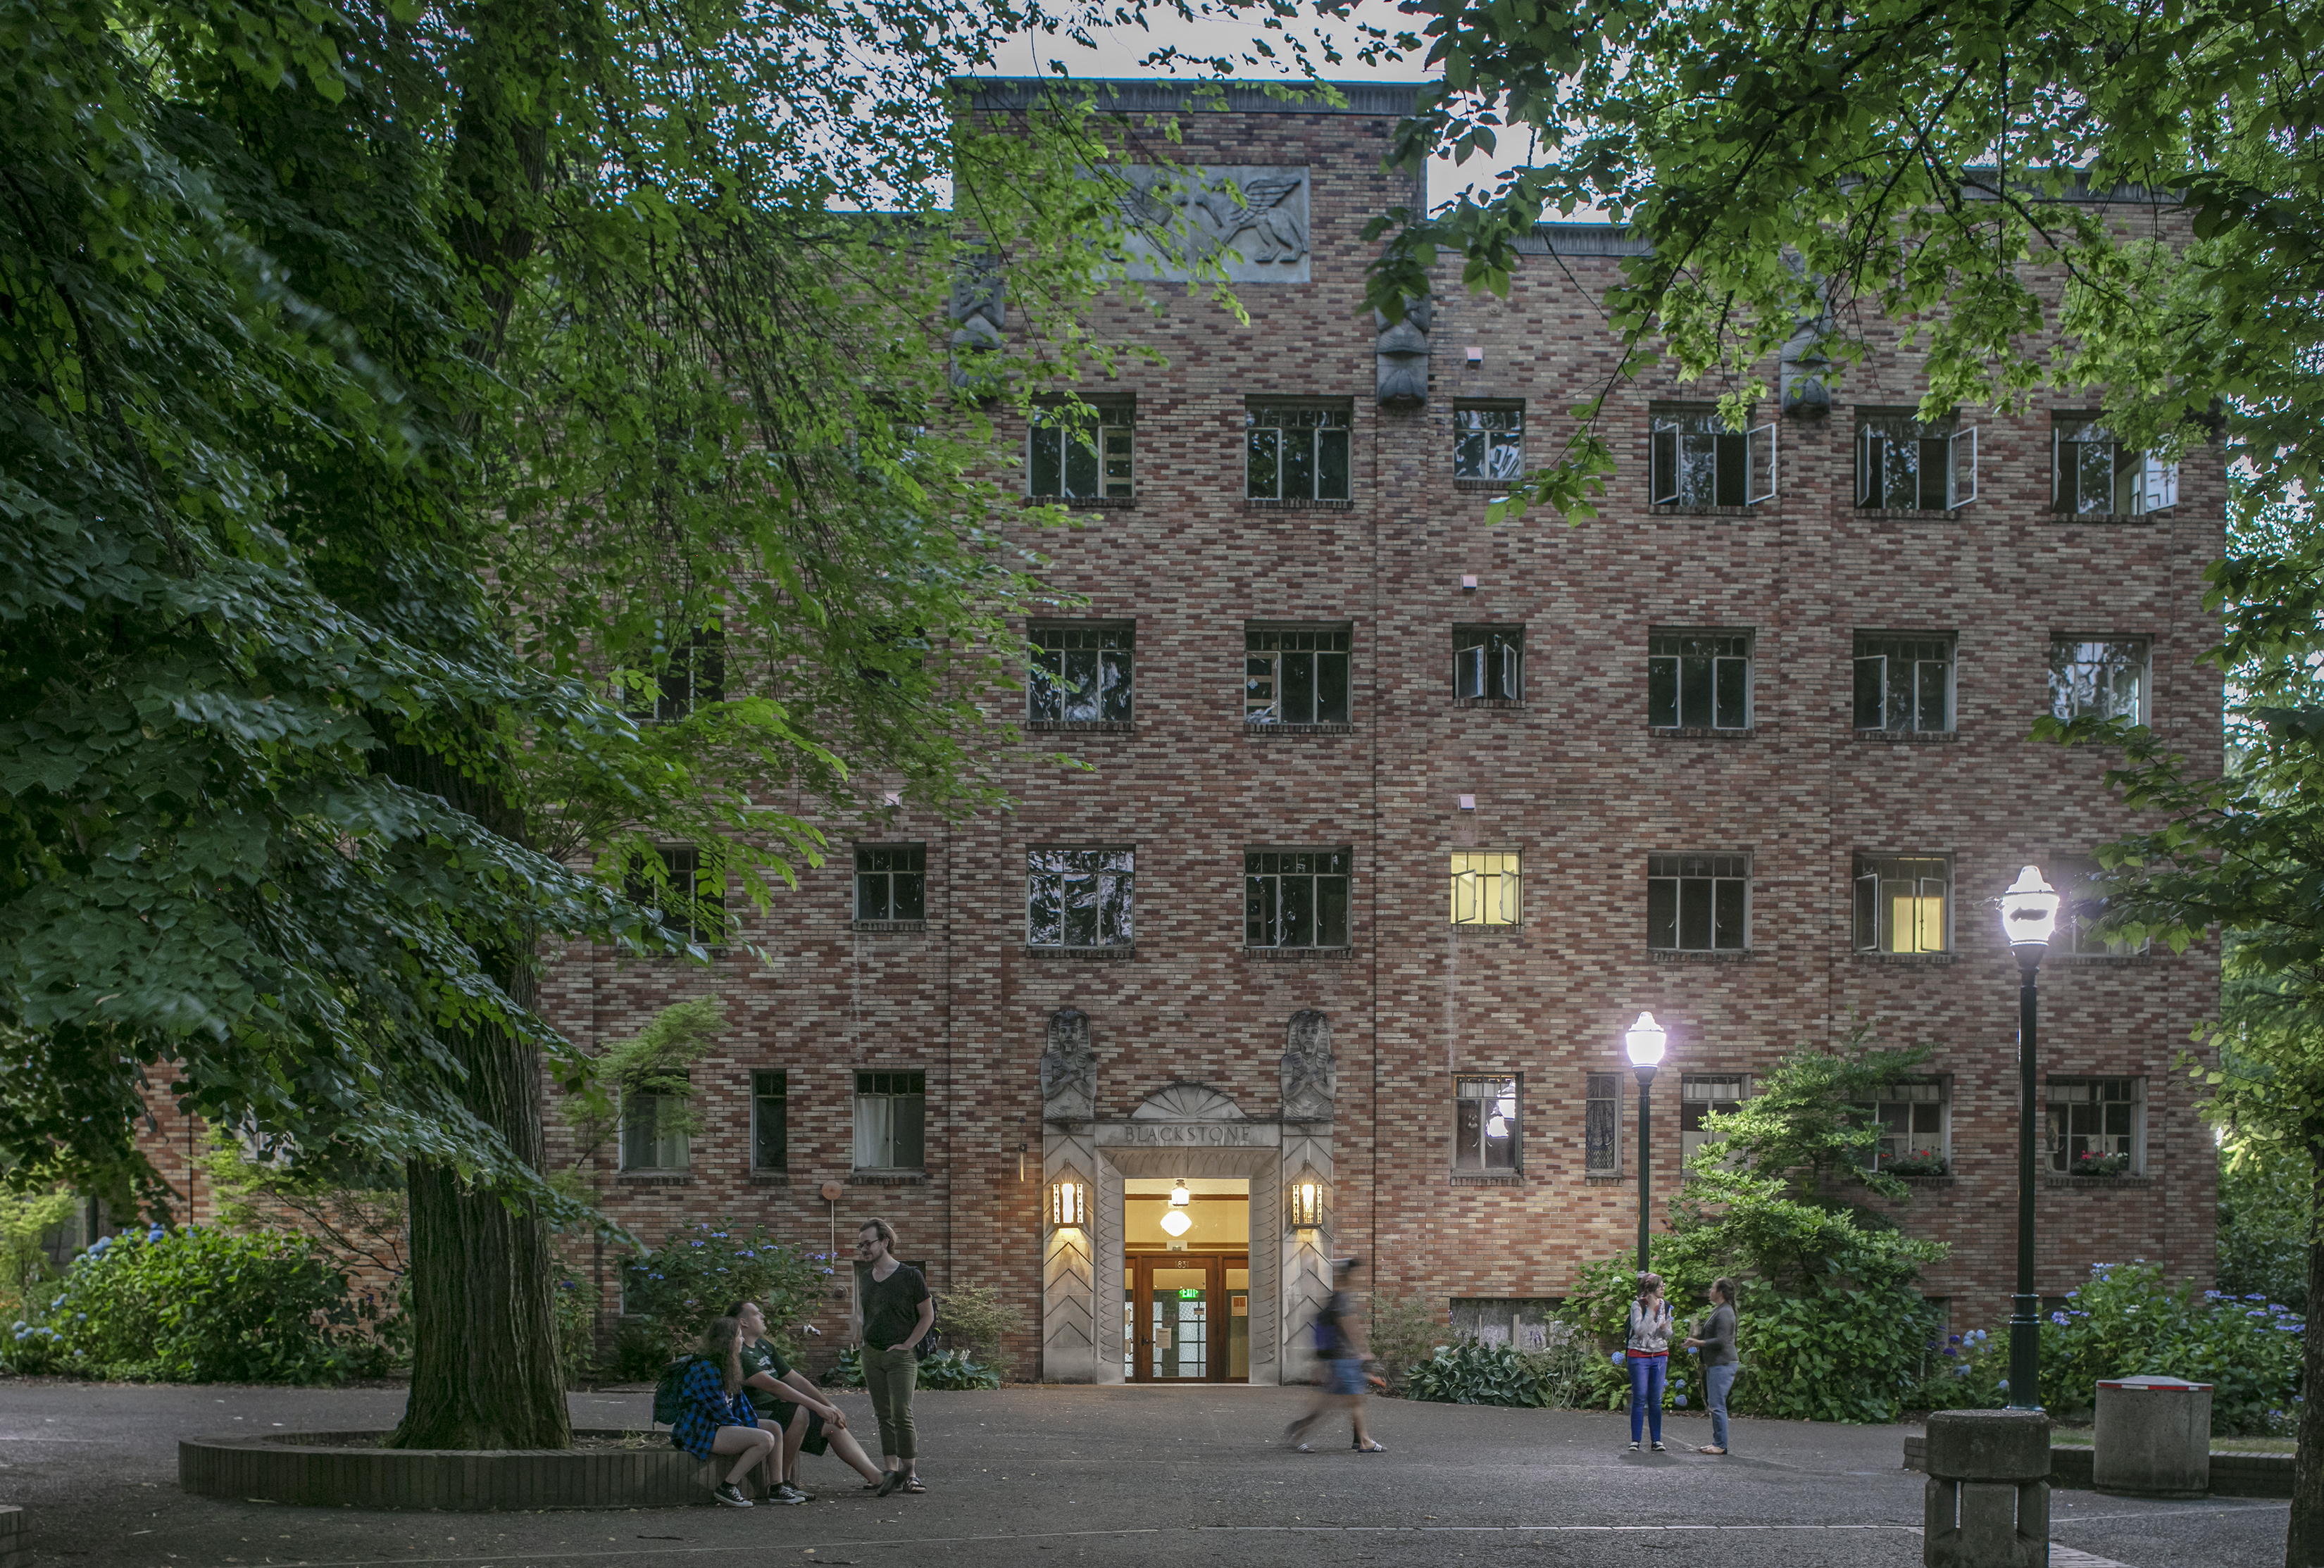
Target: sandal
(912, 1484)
(1373, 1448)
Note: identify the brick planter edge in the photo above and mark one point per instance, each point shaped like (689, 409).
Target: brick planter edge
(306, 1469)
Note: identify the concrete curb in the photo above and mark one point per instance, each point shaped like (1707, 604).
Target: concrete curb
(303, 1468)
(2232, 1475)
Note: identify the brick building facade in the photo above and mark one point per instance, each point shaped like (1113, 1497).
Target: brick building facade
(1632, 757)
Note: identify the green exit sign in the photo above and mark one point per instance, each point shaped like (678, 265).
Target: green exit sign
(1190, 1296)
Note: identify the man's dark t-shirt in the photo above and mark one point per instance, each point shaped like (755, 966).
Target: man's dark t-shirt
(891, 1306)
(760, 1356)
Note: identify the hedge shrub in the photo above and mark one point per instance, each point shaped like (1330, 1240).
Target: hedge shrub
(672, 1293)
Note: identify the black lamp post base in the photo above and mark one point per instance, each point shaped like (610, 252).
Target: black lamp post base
(2026, 1352)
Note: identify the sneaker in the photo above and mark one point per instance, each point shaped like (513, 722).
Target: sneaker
(1303, 1448)
(787, 1495)
(1658, 1448)
(730, 1495)
(1634, 1448)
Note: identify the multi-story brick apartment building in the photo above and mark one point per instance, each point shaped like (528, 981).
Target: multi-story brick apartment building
(1394, 820)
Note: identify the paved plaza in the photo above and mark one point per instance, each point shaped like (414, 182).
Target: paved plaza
(1139, 1477)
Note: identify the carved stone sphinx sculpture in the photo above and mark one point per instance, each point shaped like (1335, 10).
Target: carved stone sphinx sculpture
(1311, 1082)
(1400, 355)
(1068, 1068)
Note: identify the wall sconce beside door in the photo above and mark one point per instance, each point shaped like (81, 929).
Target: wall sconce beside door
(1307, 1203)
(1069, 1200)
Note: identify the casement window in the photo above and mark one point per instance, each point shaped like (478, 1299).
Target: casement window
(891, 881)
(653, 1130)
(1695, 462)
(1485, 1124)
(769, 1119)
(1698, 680)
(890, 1120)
(1079, 898)
(1073, 454)
(690, 671)
(1295, 452)
(1698, 903)
(1602, 1125)
(1295, 898)
(1915, 1129)
(2082, 905)
(2097, 1126)
(1080, 675)
(1903, 904)
(1294, 675)
(1487, 441)
(1904, 682)
(686, 904)
(2092, 473)
(1700, 1096)
(2106, 679)
(1905, 463)
(1488, 662)
(1485, 887)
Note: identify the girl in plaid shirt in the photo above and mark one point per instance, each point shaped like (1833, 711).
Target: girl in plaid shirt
(717, 1417)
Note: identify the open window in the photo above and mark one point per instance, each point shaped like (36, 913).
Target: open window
(1695, 461)
(2091, 474)
(1488, 662)
(1906, 463)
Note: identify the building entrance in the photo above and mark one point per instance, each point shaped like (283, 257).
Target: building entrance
(1185, 1280)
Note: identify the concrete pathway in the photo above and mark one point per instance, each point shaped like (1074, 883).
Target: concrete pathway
(1094, 1478)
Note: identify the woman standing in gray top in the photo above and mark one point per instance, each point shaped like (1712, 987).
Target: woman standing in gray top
(1716, 1342)
(1647, 1353)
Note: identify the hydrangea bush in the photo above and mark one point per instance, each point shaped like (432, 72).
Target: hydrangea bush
(670, 1294)
(2126, 1322)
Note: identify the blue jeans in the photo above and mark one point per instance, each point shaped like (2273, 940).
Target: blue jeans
(1720, 1380)
(1647, 1375)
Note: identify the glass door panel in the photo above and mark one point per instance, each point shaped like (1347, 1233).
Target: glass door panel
(1178, 1303)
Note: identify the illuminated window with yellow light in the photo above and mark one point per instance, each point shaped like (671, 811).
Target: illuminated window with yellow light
(1903, 904)
(1484, 890)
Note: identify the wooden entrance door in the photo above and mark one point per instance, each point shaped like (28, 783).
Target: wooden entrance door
(1187, 1317)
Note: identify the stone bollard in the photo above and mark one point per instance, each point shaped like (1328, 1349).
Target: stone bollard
(1988, 1490)
(2151, 1438)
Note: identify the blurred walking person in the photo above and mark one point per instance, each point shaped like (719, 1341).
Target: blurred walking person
(1715, 1339)
(897, 1312)
(1339, 1344)
(1647, 1351)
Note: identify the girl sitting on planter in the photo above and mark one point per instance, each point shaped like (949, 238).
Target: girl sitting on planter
(717, 1418)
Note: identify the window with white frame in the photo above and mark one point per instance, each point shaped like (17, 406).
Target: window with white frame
(1698, 903)
(1485, 887)
(1081, 455)
(2097, 1126)
(1695, 461)
(770, 1119)
(1488, 662)
(1487, 441)
(1915, 1130)
(655, 1128)
(1698, 680)
(1485, 1124)
(1906, 463)
(890, 1120)
(891, 881)
(1080, 675)
(1295, 898)
(2106, 678)
(2092, 473)
(1295, 675)
(1700, 1096)
(1079, 898)
(1904, 681)
(1903, 904)
(2082, 904)
(1602, 1125)
(1296, 452)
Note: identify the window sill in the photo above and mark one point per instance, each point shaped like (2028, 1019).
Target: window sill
(1698, 733)
(1482, 486)
(654, 1178)
(1672, 508)
(1937, 959)
(1909, 737)
(1605, 1181)
(1488, 1178)
(2051, 1179)
(1301, 955)
(888, 1178)
(1299, 729)
(1694, 956)
(1927, 1181)
(1095, 955)
(888, 928)
(2118, 519)
(1510, 929)
(1488, 702)
(771, 1178)
(1910, 515)
(1081, 726)
(1085, 502)
(1261, 504)
(2098, 960)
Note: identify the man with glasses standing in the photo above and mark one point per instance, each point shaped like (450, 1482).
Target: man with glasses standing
(897, 1312)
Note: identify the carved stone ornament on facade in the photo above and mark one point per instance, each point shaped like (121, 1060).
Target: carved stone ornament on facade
(1400, 355)
(1311, 1082)
(979, 320)
(1068, 1067)
(1250, 220)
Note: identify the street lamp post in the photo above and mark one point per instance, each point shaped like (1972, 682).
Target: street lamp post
(2029, 913)
(1645, 1040)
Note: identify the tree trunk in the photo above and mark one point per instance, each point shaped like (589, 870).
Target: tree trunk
(2303, 1539)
